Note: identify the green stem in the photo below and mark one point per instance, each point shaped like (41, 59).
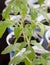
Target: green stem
(28, 59)
(15, 41)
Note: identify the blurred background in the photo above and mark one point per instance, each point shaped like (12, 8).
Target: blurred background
(4, 59)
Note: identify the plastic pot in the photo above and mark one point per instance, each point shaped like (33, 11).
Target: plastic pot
(36, 49)
(41, 18)
(16, 20)
(48, 36)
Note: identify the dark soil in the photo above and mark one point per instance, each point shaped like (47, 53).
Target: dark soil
(48, 10)
(45, 22)
(35, 3)
(49, 38)
(21, 39)
(22, 63)
(12, 39)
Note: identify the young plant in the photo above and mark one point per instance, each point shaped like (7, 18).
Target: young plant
(29, 55)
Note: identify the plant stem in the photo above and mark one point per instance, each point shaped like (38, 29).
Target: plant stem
(15, 41)
(25, 37)
(28, 59)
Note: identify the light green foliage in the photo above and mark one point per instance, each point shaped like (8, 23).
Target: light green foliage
(33, 14)
(4, 25)
(16, 60)
(44, 13)
(6, 13)
(11, 47)
(31, 56)
(17, 31)
(42, 28)
(46, 56)
(29, 29)
(28, 56)
(41, 2)
(39, 61)
(23, 44)
(33, 42)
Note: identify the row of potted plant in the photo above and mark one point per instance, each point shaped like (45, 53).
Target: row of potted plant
(29, 24)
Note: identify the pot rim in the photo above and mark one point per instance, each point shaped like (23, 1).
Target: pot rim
(47, 35)
(40, 18)
(9, 36)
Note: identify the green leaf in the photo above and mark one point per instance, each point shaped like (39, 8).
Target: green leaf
(14, 47)
(8, 49)
(42, 28)
(36, 62)
(26, 62)
(31, 56)
(23, 10)
(3, 26)
(27, 52)
(2, 29)
(39, 61)
(44, 14)
(17, 31)
(6, 13)
(33, 14)
(16, 60)
(48, 62)
(29, 29)
(46, 55)
(41, 2)
(23, 44)
(43, 61)
(22, 7)
(33, 42)
(15, 9)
